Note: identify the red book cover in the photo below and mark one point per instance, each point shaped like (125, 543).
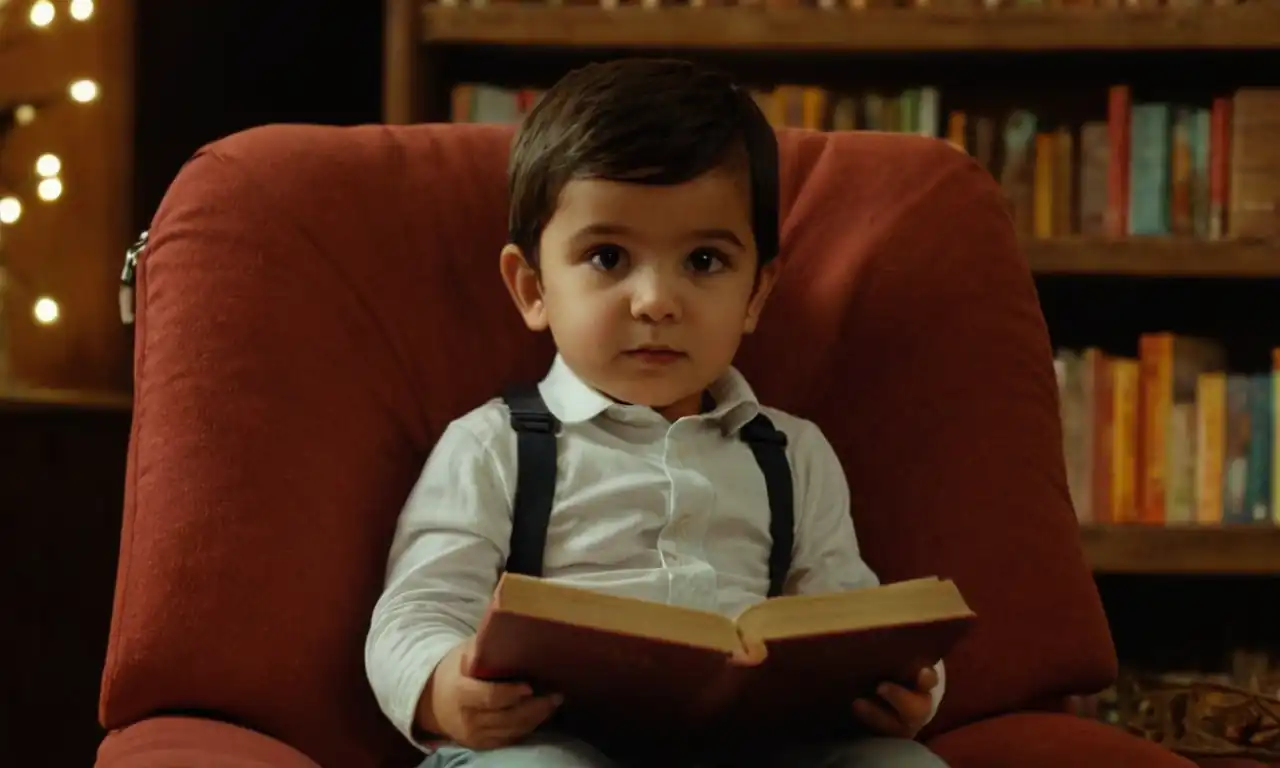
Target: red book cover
(1219, 165)
(1118, 108)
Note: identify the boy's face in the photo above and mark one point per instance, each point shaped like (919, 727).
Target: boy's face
(647, 290)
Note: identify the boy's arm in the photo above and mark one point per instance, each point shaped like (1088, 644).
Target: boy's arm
(450, 544)
(827, 558)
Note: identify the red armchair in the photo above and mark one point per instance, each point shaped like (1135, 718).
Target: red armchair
(317, 303)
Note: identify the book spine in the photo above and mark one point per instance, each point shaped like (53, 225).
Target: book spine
(1211, 412)
(1149, 170)
(1219, 166)
(1104, 438)
(1200, 169)
(1236, 452)
(1275, 436)
(1118, 117)
(1258, 483)
(1180, 174)
(1156, 361)
(1042, 197)
(1124, 456)
(1094, 170)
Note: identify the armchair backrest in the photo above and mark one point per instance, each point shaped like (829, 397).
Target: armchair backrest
(317, 303)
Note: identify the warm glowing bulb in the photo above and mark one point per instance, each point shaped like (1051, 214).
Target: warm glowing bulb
(48, 165)
(42, 13)
(84, 91)
(46, 311)
(24, 115)
(81, 10)
(50, 190)
(10, 210)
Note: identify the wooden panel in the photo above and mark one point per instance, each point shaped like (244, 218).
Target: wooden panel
(1033, 29)
(1238, 550)
(70, 250)
(62, 475)
(1153, 257)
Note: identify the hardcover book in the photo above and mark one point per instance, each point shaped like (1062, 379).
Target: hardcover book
(630, 666)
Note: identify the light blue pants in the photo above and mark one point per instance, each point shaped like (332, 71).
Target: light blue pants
(552, 751)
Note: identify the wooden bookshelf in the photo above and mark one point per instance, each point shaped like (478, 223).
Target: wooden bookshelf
(1153, 257)
(1149, 549)
(749, 29)
(31, 399)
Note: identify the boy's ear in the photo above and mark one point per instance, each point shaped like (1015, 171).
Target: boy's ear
(764, 286)
(522, 283)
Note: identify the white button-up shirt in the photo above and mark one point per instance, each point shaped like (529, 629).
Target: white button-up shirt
(675, 512)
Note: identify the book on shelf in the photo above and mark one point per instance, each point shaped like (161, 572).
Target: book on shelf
(1205, 169)
(638, 665)
(1171, 436)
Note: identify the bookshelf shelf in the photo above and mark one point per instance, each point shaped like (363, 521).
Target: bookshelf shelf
(1153, 257)
(1238, 550)
(28, 399)
(747, 30)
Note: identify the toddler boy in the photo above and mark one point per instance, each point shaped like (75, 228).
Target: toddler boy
(643, 235)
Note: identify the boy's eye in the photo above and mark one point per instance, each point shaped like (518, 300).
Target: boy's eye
(706, 260)
(606, 257)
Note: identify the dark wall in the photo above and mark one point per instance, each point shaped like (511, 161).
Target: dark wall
(209, 69)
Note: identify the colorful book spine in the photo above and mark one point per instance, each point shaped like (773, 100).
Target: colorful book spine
(1211, 423)
(1235, 464)
(1149, 170)
(1258, 481)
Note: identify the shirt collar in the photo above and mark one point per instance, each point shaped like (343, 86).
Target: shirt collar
(573, 401)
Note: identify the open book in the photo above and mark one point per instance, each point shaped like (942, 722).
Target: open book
(632, 666)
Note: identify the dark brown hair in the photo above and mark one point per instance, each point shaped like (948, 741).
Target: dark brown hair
(647, 121)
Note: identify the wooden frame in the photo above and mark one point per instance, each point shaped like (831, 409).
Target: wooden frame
(1149, 549)
(809, 30)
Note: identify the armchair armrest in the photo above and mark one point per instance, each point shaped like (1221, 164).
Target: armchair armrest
(1048, 740)
(192, 742)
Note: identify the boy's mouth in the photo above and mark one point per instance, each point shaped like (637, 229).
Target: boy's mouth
(655, 354)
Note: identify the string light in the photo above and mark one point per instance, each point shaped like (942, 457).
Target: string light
(48, 165)
(46, 311)
(10, 210)
(81, 10)
(42, 16)
(49, 190)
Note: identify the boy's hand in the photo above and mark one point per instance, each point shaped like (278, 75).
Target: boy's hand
(477, 714)
(904, 711)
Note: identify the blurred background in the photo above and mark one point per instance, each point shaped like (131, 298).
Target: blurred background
(164, 78)
(1138, 143)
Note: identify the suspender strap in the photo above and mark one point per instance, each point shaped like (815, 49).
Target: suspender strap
(769, 445)
(535, 429)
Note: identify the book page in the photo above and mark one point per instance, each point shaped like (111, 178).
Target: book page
(538, 598)
(905, 602)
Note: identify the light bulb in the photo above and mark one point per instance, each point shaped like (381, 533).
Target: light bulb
(48, 165)
(24, 114)
(10, 210)
(50, 190)
(46, 311)
(42, 13)
(81, 10)
(84, 91)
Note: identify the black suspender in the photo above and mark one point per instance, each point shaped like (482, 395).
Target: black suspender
(769, 445)
(536, 473)
(536, 430)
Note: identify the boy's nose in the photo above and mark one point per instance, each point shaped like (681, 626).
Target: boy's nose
(654, 300)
